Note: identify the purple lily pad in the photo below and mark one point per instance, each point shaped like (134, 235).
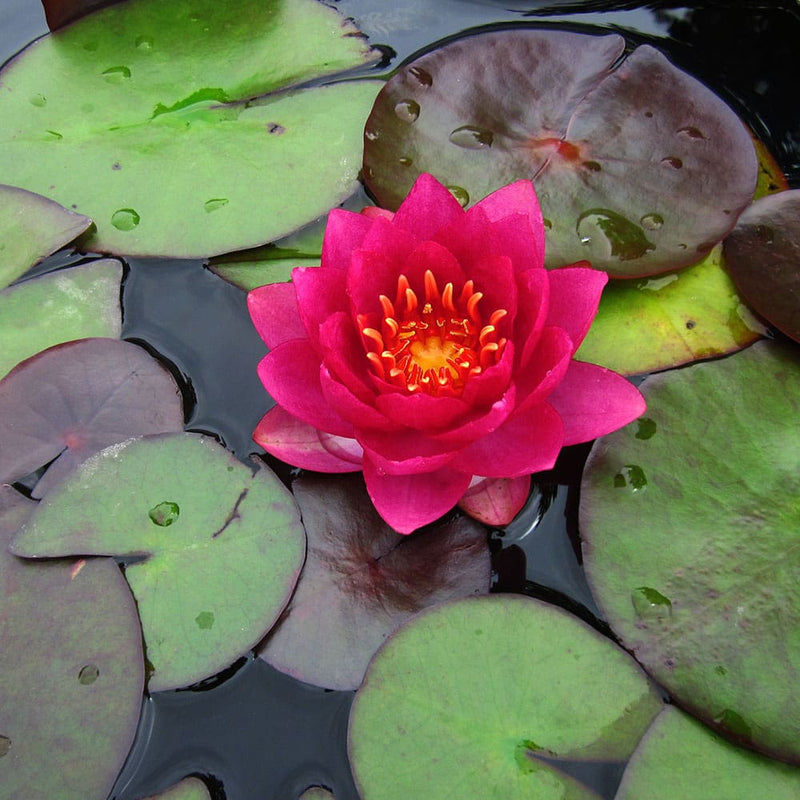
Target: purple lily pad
(74, 399)
(763, 257)
(72, 670)
(639, 167)
(362, 580)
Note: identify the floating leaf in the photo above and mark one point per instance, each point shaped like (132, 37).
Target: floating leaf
(763, 254)
(187, 789)
(689, 519)
(216, 548)
(362, 580)
(485, 697)
(74, 303)
(32, 227)
(142, 101)
(680, 757)
(317, 793)
(75, 399)
(249, 275)
(637, 179)
(72, 670)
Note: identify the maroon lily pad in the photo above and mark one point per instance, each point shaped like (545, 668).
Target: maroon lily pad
(72, 670)
(763, 257)
(639, 167)
(362, 580)
(74, 399)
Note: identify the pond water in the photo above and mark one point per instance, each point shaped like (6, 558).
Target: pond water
(253, 732)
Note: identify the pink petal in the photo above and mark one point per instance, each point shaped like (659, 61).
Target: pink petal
(344, 356)
(422, 411)
(320, 293)
(349, 407)
(408, 502)
(297, 443)
(483, 389)
(527, 442)
(404, 452)
(480, 424)
(532, 308)
(545, 369)
(574, 297)
(372, 274)
(375, 212)
(344, 233)
(275, 314)
(593, 401)
(428, 207)
(495, 501)
(290, 373)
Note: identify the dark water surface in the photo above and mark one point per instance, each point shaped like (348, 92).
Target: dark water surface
(254, 733)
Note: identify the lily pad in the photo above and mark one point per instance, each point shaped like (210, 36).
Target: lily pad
(135, 116)
(362, 580)
(69, 630)
(74, 303)
(637, 180)
(488, 697)
(680, 757)
(317, 793)
(251, 274)
(187, 789)
(65, 404)
(692, 557)
(214, 549)
(763, 255)
(32, 227)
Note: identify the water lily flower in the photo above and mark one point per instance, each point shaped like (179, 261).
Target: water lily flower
(432, 350)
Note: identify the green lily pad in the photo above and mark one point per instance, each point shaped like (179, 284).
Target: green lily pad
(484, 697)
(32, 227)
(74, 399)
(636, 180)
(247, 275)
(763, 255)
(362, 580)
(690, 519)
(680, 757)
(135, 116)
(317, 793)
(215, 550)
(74, 303)
(651, 324)
(72, 670)
(187, 789)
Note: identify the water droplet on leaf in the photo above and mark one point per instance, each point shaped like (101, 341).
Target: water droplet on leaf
(144, 43)
(125, 219)
(605, 229)
(631, 476)
(765, 234)
(116, 74)
(37, 100)
(460, 194)
(214, 203)
(371, 135)
(646, 428)
(205, 620)
(89, 674)
(53, 136)
(5, 745)
(691, 132)
(164, 514)
(407, 110)
(471, 137)
(649, 603)
(672, 161)
(593, 166)
(421, 76)
(405, 161)
(548, 225)
(652, 222)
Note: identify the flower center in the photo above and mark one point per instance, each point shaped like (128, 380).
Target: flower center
(435, 346)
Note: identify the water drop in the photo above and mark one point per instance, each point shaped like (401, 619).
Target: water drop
(631, 476)
(371, 135)
(720, 670)
(524, 756)
(144, 43)
(460, 194)
(471, 137)
(422, 76)
(656, 284)
(690, 324)
(275, 128)
(611, 232)
(52, 136)
(649, 603)
(652, 222)
(646, 428)
(89, 674)
(648, 114)
(214, 203)
(407, 110)
(37, 100)
(734, 723)
(164, 514)
(405, 161)
(691, 132)
(5, 745)
(593, 166)
(116, 74)
(765, 234)
(672, 161)
(548, 225)
(205, 620)
(125, 219)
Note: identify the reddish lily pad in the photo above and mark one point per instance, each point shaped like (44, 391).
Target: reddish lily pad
(763, 256)
(362, 580)
(74, 303)
(636, 180)
(142, 116)
(216, 549)
(485, 697)
(75, 399)
(32, 227)
(681, 757)
(69, 629)
(689, 518)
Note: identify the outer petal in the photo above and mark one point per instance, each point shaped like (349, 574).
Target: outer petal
(408, 502)
(348, 406)
(344, 233)
(275, 314)
(297, 443)
(593, 401)
(428, 207)
(574, 297)
(545, 369)
(290, 373)
(320, 293)
(495, 501)
(344, 356)
(405, 452)
(532, 309)
(376, 212)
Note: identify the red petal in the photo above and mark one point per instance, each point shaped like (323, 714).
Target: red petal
(532, 308)
(408, 502)
(404, 452)
(422, 411)
(320, 293)
(344, 356)
(349, 407)
(428, 207)
(290, 374)
(545, 369)
(344, 233)
(574, 297)
(275, 314)
(593, 401)
(297, 443)
(496, 501)
(375, 212)
(480, 424)
(481, 390)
